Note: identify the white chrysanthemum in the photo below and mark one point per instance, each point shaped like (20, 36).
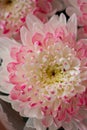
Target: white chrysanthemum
(48, 73)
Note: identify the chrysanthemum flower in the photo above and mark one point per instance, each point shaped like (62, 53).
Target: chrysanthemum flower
(47, 73)
(13, 13)
(80, 8)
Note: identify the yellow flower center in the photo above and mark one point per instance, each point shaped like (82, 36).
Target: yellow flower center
(52, 74)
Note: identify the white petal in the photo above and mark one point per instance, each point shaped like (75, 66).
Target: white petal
(29, 124)
(34, 24)
(5, 55)
(50, 26)
(72, 24)
(33, 113)
(26, 128)
(62, 19)
(47, 121)
(34, 123)
(25, 36)
(38, 125)
(16, 105)
(9, 43)
(5, 87)
(5, 46)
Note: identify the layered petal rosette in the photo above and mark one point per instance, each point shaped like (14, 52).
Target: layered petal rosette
(48, 74)
(13, 13)
(80, 8)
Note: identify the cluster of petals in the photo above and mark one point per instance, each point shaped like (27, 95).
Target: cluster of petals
(46, 8)
(46, 75)
(13, 13)
(80, 8)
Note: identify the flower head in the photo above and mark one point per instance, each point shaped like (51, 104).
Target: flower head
(13, 13)
(48, 72)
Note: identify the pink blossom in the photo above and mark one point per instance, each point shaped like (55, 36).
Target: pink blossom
(47, 74)
(13, 13)
(80, 8)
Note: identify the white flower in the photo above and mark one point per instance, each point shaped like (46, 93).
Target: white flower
(48, 73)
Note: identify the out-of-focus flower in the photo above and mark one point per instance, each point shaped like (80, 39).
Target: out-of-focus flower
(48, 74)
(66, 3)
(13, 13)
(46, 8)
(80, 8)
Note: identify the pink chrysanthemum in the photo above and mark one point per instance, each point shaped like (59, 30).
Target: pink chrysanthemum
(46, 8)
(80, 8)
(13, 13)
(48, 72)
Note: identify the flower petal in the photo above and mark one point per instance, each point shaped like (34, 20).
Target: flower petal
(72, 25)
(34, 24)
(34, 123)
(5, 46)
